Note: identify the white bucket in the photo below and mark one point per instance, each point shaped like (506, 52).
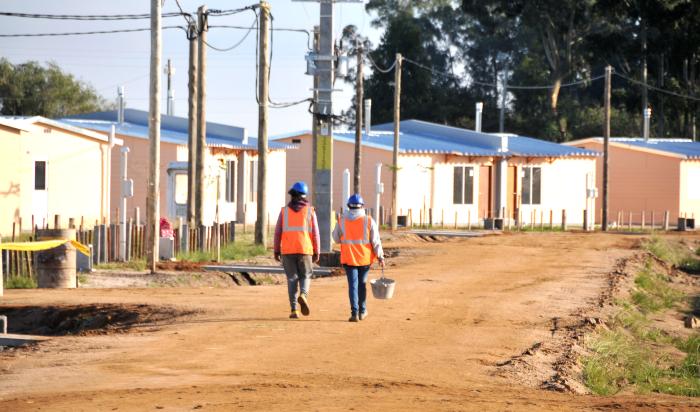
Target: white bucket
(382, 288)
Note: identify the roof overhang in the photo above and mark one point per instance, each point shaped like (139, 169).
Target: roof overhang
(623, 145)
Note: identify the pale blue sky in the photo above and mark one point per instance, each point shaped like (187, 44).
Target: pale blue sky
(108, 60)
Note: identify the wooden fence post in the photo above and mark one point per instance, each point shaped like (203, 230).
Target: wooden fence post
(563, 220)
(666, 219)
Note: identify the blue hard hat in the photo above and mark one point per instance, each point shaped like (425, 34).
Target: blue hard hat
(355, 200)
(299, 187)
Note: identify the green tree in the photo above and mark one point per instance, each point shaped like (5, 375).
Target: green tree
(30, 89)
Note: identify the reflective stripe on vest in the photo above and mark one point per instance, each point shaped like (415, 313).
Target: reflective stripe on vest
(355, 248)
(296, 236)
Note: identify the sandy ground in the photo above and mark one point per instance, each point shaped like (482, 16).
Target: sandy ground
(461, 308)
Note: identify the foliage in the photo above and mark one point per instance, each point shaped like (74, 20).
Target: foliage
(30, 89)
(136, 264)
(233, 251)
(632, 353)
(20, 282)
(539, 42)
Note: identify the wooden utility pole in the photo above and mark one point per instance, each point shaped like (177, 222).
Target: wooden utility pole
(153, 201)
(202, 25)
(606, 143)
(192, 124)
(359, 101)
(395, 158)
(263, 55)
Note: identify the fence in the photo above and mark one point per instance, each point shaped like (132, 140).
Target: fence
(104, 241)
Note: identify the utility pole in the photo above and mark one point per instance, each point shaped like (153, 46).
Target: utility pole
(395, 157)
(358, 120)
(153, 201)
(192, 123)
(263, 55)
(606, 143)
(504, 93)
(170, 106)
(645, 99)
(202, 26)
(314, 120)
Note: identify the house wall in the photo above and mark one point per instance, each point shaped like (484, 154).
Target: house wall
(11, 179)
(638, 181)
(563, 187)
(299, 167)
(137, 170)
(690, 189)
(275, 182)
(74, 177)
(444, 209)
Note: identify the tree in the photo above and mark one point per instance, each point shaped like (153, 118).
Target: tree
(29, 89)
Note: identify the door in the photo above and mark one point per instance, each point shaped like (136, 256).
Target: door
(485, 195)
(40, 196)
(512, 192)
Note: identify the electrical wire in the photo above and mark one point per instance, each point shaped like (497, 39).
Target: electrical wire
(308, 33)
(87, 17)
(658, 89)
(376, 66)
(80, 33)
(516, 87)
(238, 43)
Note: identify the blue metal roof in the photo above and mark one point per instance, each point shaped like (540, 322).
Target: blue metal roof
(424, 137)
(683, 147)
(173, 129)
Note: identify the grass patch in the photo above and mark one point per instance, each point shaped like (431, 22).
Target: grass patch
(20, 282)
(673, 253)
(653, 292)
(633, 353)
(233, 251)
(137, 265)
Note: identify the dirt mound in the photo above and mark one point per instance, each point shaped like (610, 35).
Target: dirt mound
(85, 319)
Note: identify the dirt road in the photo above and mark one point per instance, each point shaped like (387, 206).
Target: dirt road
(461, 308)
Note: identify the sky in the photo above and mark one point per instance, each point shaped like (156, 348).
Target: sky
(106, 61)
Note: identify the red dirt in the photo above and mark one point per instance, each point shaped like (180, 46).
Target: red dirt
(460, 309)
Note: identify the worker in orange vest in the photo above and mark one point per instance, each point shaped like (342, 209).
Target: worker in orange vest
(360, 246)
(297, 245)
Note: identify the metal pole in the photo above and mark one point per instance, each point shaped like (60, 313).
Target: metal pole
(170, 107)
(479, 112)
(108, 174)
(120, 104)
(192, 124)
(122, 218)
(504, 93)
(647, 117)
(395, 156)
(314, 121)
(154, 136)
(379, 191)
(201, 116)
(358, 121)
(323, 175)
(263, 54)
(367, 115)
(346, 189)
(606, 144)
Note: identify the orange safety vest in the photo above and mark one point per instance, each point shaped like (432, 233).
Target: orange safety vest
(355, 246)
(296, 231)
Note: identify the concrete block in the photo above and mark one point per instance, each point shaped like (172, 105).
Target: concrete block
(166, 248)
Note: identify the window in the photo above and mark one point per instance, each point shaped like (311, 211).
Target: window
(253, 173)
(463, 185)
(40, 175)
(181, 188)
(296, 141)
(231, 181)
(532, 185)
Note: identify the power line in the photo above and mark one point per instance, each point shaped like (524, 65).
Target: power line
(658, 89)
(245, 36)
(86, 17)
(80, 33)
(376, 66)
(518, 87)
(308, 34)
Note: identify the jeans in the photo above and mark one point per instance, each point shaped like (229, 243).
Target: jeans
(298, 269)
(357, 287)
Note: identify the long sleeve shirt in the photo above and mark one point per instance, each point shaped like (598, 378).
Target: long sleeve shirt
(315, 236)
(374, 239)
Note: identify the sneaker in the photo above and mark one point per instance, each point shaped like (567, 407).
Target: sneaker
(294, 314)
(353, 318)
(363, 315)
(304, 303)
